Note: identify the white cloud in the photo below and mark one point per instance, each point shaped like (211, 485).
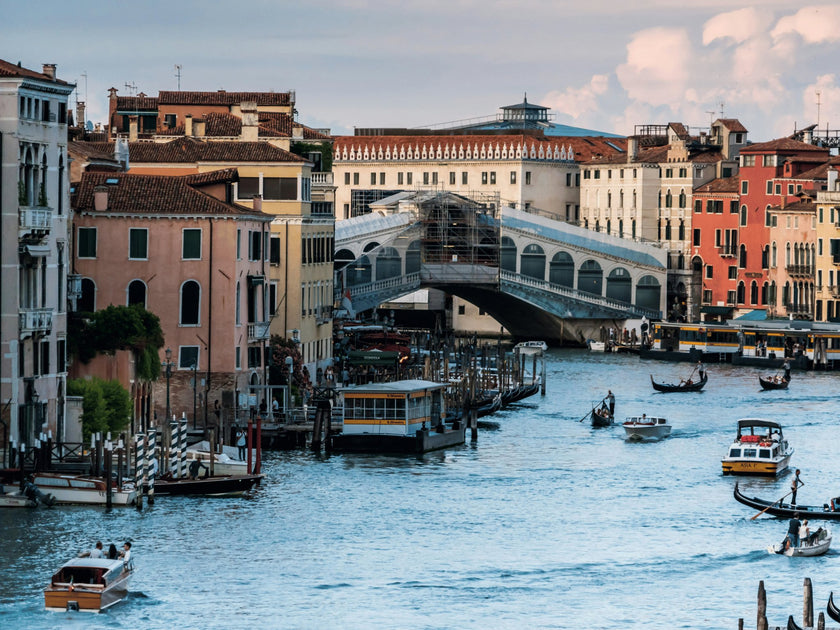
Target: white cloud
(829, 98)
(577, 102)
(738, 25)
(658, 66)
(815, 24)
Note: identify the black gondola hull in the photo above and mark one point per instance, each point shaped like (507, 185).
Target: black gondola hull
(765, 384)
(786, 510)
(831, 609)
(668, 388)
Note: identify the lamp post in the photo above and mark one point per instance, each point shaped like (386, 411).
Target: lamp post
(168, 367)
(195, 387)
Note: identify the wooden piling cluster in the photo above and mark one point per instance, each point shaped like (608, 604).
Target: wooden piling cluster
(807, 611)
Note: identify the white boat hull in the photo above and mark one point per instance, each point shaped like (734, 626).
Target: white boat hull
(82, 491)
(222, 463)
(15, 500)
(597, 346)
(804, 551)
(647, 432)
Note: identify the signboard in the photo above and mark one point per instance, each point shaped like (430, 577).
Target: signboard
(372, 357)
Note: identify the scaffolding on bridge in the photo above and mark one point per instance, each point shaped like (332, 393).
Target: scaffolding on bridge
(459, 229)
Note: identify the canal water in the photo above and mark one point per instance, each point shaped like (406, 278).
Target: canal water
(544, 523)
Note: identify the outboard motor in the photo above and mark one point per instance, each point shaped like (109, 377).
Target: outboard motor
(33, 492)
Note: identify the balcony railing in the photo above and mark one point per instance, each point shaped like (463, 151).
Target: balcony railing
(35, 320)
(728, 250)
(322, 179)
(34, 220)
(74, 286)
(258, 331)
(799, 270)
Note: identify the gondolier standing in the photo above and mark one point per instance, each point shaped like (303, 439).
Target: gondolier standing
(701, 369)
(794, 486)
(786, 368)
(611, 402)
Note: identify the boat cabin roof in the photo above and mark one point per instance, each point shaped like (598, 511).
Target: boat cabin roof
(757, 422)
(407, 386)
(646, 420)
(93, 563)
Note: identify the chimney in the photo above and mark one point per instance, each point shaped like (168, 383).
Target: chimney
(250, 121)
(112, 94)
(132, 128)
(808, 136)
(199, 128)
(831, 173)
(100, 198)
(80, 114)
(188, 125)
(49, 70)
(258, 203)
(632, 149)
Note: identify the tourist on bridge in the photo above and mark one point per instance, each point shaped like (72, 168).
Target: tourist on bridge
(611, 402)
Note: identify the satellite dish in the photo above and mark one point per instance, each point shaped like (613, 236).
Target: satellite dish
(89, 126)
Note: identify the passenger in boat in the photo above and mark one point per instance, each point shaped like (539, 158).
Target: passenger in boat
(804, 531)
(240, 443)
(611, 401)
(97, 552)
(795, 484)
(125, 554)
(195, 467)
(112, 552)
(793, 531)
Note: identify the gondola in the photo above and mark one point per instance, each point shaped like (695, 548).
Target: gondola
(769, 384)
(791, 624)
(601, 416)
(786, 510)
(831, 609)
(680, 387)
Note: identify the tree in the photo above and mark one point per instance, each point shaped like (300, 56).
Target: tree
(106, 405)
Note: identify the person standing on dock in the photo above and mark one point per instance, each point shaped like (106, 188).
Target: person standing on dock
(794, 486)
(240, 443)
(611, 402)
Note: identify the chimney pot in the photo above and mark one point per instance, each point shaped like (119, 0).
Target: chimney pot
(258, 203)
(132, 128)
(188, 125)
(49, 70)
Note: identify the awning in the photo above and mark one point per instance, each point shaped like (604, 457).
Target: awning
(754, 316)
(716, 310)
(37, 251)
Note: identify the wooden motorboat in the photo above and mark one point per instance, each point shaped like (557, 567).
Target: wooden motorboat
(14, 498)
(759, 448)
(601, 416)
(88, 584)
(772, 383)
(828, 512)
(216, 486)
(645, 428)
(596, 346)
(223, 464)
(82, 489)
(816, 544)
(832, 609)
(683, 386)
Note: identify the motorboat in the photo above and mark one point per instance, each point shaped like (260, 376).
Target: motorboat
(759, 448)
(83, 489)
(816, 544)
(830, 511)
(645, 428)
(531, 347)
(88, 585)
(596, 346)
(15, 498)
(216, 486)
(223, 464)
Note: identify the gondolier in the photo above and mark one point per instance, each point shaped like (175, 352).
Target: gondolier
(611, 402)
(794, 486)
(786, 368)
(701, 370)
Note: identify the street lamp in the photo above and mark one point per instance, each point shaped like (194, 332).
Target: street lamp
(168, 366)
(195, 387)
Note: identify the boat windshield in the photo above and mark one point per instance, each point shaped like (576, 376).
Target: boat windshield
(80, 575)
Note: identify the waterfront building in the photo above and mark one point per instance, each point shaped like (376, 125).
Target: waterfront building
(179, 248)
(827, 307)
(646, 194)
(35, 267)
(792, 260)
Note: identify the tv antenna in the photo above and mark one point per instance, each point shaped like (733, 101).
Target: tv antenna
(711, 114)
(818, 108)
(721, 103)
(131, 87)
(178, 74)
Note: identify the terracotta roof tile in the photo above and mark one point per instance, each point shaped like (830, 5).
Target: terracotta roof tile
(818, 172)
(90, 150)
(658, 155)
(224, 98)
(720, 185)
(732, 124)
(311, 134)
(191, 150)
(137, 104)
(782, 145)
(8, 69)
(158, 194)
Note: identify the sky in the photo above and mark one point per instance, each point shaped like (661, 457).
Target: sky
(599, 64)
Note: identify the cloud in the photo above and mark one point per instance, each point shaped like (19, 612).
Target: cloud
(657, 67)
(815, 24)
(577, 102)
(829, 99)
(738, 26)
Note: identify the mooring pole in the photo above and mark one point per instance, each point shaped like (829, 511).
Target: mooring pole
(808, 604)
(821, 622)
(761, 621)
(109, 462)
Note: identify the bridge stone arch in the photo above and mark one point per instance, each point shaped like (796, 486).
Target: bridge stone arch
(591, 278)
(561, 270)
(412, 257)
(388, 263)
(360, 272)
(532, 262)
(620, 285)
(370, 246)
(342, 258)
(648, 292)
(507, 254)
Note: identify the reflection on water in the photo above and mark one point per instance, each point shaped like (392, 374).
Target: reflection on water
(544, 523)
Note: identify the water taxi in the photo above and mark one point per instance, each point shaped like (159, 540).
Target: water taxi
(88, 585)
(758, 449)
(531, 347)
(82, 489)
(644, 428)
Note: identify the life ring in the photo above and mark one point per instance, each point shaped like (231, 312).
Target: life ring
(764, 443)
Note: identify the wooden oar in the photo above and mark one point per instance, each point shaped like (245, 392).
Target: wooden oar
(593, 409)
(771, 505)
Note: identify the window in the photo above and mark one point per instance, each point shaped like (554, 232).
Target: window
(355, 179)
(568, 179)
(492, 177)
(280, 188)
(707, 296)
(373, 179)
(187, 357)
(247, 188)
(87, 242)
(434, 178)
(238, 244)
(698, 205)
(528, 178)
(513, 177)
(274, 253)
(743, 215)
(452, 178)
(347, 179)
(238, 357)
(683, 172)
(748, 160)
(696, 239)
(464, 178)
(597, 174)
(462, 309)
(769, 186)
(138, 243)
(669, 172)
(254, 245)
(426, 179)
(399, 179)
(790, 189)
(408, 178)
(136, 293)
(191, 244)
(730, 297)
(778, 189)
(190, 302)
(745, 186)
(733, 206)
(710, 271)
(733, 273)
(484, 177)
(381, 179)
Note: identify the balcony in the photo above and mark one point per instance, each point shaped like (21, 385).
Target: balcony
(259, 331)
(800, 270)
(34, 221)
(35, 320)
(322, 179)
(74, 286)
(834, 289)
(728, 250)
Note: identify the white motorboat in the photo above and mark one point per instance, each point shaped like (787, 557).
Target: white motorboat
(596, 346)
(814, 545)
(14, 499)
(81, 489)
(645, 428)
(531, 347)
(223, 463)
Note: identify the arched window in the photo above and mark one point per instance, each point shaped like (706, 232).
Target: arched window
(561, 270)
(764, 295)
(773, 255)
(741, 291)
(190, 303)
(621, 228)
(532, 263)
(742, 256)
(771, 294)
(136, 293)
(753, 292)
(388, 263)
(621, 199)
(743, 215)
(682, 230)
(609, 199)
(87, 300)
(412, 257)
(648, 292)
(787, 254)
(765, 257)
(591, 278)
(619, 285)
(633, 227)
(682, 199)
(609, 226)
(668, 229)
(669, 199)
(508, 254)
